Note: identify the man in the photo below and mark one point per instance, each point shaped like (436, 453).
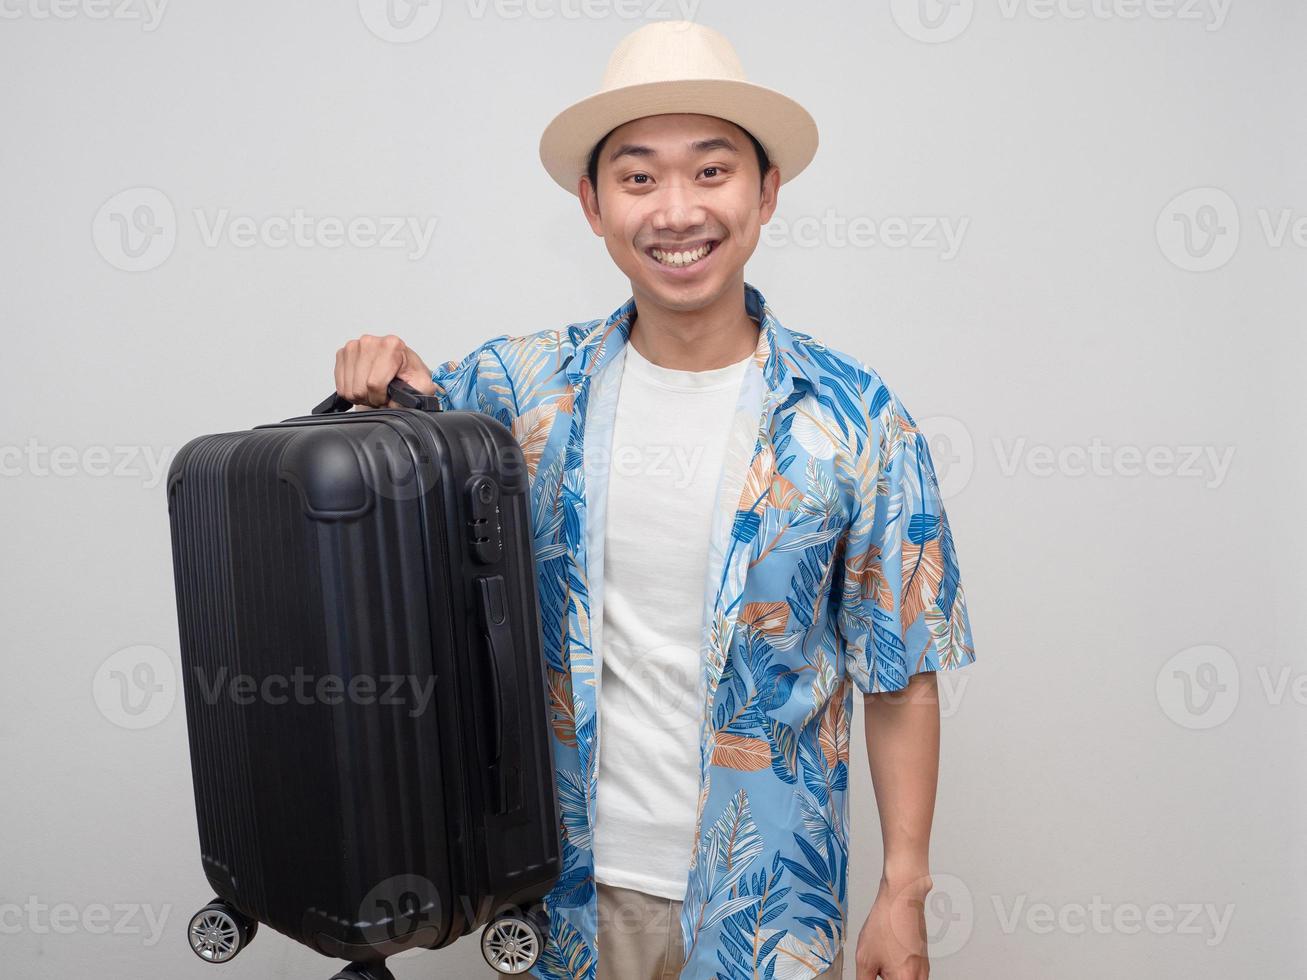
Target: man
(735, 526)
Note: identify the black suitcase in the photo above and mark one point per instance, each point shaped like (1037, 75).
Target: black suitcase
(364, 684)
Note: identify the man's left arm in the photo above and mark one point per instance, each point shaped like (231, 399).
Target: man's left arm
(902, 617)
(902, 730)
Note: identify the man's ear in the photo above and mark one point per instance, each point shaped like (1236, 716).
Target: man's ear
(771, 184)
(589, 196)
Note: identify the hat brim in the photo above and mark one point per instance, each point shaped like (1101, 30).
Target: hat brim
(784, 128)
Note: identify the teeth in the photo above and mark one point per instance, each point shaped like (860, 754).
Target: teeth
(682, 258)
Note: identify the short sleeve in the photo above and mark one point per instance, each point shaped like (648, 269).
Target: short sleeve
(458, 384)
(902, 609)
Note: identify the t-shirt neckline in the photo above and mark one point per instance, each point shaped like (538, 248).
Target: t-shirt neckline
(678, 379)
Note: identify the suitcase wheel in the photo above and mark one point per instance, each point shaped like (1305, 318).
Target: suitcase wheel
(512, 944)
(218, 932)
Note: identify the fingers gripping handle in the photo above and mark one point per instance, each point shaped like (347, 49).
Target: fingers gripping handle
(401, 393)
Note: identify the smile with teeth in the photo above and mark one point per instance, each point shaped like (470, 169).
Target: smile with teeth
(682, 259)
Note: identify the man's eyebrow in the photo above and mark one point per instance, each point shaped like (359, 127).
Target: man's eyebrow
(698, 146)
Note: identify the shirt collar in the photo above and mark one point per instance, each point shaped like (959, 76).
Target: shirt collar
(780, 355)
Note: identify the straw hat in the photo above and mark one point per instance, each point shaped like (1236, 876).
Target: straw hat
(677, 66)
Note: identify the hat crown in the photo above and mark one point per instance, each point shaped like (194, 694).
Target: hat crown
(676, 67)
(671, 50)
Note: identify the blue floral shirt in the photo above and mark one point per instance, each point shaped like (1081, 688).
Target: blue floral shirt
(831, 567)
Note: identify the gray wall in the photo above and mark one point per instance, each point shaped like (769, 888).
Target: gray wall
(1116, 410)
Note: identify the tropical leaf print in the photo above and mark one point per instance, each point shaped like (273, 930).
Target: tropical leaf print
(813, 430)
(822, 871)
(783, 493)
(793, 959)
(838, 572)
(746, 943)
(833, 734)
(574, 806)
(531, 430)
(766, 617)
(758, 480)
(785, 751)
(923, 571)
(567, 954)
(562, 708)
(734, 845)
(741, 752)
(823, 493)
(950, 635)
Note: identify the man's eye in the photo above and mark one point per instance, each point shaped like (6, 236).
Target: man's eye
(636, 177)
(714, 169)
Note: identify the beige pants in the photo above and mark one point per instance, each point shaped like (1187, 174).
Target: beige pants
(640, 937)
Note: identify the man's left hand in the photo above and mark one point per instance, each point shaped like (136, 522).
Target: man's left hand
(892, 943)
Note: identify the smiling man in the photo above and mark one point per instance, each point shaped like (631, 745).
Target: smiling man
(735, 526)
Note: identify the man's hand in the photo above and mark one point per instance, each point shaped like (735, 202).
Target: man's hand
(892, 943)
(365, 367)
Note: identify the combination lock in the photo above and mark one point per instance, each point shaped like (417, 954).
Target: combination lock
(484, 532)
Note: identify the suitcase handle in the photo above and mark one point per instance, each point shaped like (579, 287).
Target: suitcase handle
(505, 699)
(401, 393)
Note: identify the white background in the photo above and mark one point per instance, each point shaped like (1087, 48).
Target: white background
(1091, 754)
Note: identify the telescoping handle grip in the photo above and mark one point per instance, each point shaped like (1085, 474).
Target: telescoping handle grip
(401, 393)
(505, 696)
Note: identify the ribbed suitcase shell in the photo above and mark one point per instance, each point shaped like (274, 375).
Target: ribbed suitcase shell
(342, 546)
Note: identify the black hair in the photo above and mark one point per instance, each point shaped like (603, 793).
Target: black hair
(592, 167)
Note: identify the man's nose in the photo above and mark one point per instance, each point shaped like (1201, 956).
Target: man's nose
(679, 209)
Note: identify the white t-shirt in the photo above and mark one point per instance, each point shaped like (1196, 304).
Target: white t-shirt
(669, 440)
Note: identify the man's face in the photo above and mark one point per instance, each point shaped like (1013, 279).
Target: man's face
(680, 206)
